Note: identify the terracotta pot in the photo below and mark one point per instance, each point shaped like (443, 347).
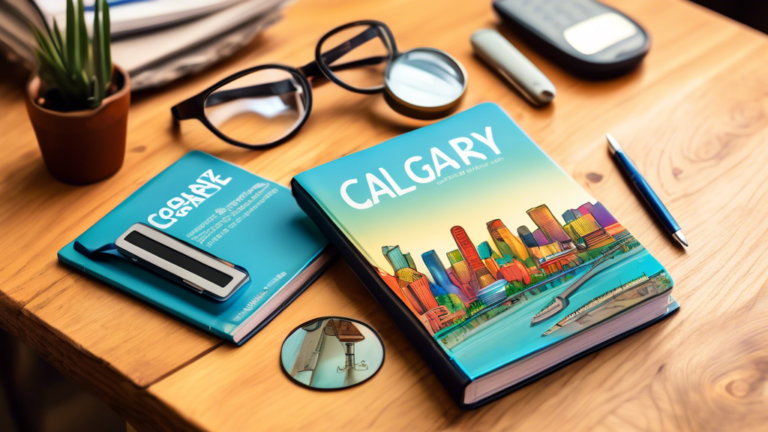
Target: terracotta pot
(83, 146)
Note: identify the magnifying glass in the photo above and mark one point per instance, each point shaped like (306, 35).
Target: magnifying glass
(424, 83)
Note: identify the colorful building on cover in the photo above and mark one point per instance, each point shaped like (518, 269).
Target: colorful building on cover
(468, 251)
(549, 226)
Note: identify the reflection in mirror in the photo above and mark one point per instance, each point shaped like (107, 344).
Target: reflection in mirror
(332, 353)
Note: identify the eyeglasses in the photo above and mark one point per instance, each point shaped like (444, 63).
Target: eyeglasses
(267, 105)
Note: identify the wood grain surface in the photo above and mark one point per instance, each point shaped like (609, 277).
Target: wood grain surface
(694, 117)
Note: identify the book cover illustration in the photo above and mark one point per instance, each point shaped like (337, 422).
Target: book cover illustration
(489, 243)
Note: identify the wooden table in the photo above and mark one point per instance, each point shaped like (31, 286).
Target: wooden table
(694, 117)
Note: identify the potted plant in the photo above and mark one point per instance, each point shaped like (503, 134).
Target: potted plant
(78, 101)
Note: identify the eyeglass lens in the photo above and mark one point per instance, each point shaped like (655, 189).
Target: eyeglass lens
(259, 108)
(358, 55)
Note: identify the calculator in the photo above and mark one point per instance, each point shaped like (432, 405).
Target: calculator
(585, 37)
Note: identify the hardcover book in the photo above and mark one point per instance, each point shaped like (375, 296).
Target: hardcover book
(494, 262)
(223, 211)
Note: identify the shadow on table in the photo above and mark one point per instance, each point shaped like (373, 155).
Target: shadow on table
(36, 398)
(751, 13)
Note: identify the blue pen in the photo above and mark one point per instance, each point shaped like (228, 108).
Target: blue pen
(651, 199)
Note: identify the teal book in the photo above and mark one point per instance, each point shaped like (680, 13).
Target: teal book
(224, 211)
(493, 261)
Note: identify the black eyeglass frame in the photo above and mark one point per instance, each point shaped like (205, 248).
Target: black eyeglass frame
(194, 107)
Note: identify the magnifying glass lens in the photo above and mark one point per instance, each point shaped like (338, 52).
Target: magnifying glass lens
(425, 83)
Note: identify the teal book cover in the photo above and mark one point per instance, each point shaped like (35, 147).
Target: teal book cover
(488, 243)
(225, 211)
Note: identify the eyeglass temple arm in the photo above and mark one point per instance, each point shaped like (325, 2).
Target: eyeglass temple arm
(186, 110)
(277, 88)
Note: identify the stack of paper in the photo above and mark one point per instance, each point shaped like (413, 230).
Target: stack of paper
(156, 41)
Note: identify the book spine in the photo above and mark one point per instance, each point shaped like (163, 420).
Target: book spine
(290, 299)
(449, 374)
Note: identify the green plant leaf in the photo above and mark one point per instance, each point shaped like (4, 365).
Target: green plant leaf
(73, 39)
(41, 41)
(98, 94)
(47, 47)
(45, 72)
(59, 44)
(85, 82)
(57, 76)
(80, 81)
(107, 44)
(45, 25)
(82, 36)
(101, 56)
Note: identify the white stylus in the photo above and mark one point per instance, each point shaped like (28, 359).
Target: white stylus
(495, 50)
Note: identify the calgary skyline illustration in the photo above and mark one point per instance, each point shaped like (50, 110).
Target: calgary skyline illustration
(484, 274)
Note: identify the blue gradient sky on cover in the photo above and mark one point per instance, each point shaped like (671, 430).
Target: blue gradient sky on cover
(421, 220)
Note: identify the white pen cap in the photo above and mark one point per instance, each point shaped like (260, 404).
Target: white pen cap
(495, 50)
